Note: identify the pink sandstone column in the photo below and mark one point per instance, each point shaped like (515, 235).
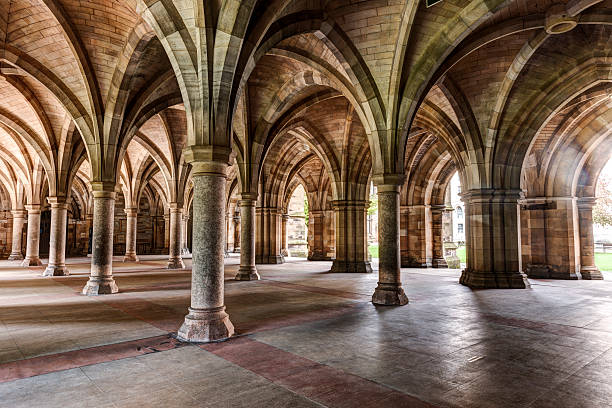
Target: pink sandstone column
(130, 235)
(207, 320)
(18, 221)
(389, 290)
(284, 247)
(247, 270)
(33, 238)
(437, 260)
(101, 281)
(176, 214)
(588, 270)
(57, 240)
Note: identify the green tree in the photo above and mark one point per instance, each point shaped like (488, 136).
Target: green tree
(373, 204)
(602, 211)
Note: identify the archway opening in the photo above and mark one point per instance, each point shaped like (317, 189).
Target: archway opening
(602, 219)
(297, 223)
(454, 224)
(373, 222)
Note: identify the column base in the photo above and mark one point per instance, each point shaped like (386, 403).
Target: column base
(319, 257)
(247, 274)
(15, 257)
(99, 286)
(270, 260)
(494, 280)
(413, 263)
(439, 263)
(31, 262)
(389, 294)
(206, 325)
(130, 258)
(176, 263)
(591, 273)
(351, 267)
(53, 270)
(540, 271)
(284, 252)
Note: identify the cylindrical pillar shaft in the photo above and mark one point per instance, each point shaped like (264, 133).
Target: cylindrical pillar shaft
(101, 281)
(351, 237)
(437, 259)
(588, 269)
(18, 221)
(175, 260)
(389, 290)
(284, 246)
(247, 270)
(207, 319)
(57, 239)
(33, 238)
(130, 235)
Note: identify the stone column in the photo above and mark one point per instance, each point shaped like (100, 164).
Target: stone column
(447, 217)
(89, 223)
(33, 237)
(268, 242)
(184, 223)
(236, 234)
(351, 237)
(207, 319)
(247, 270)
(18, 221)
(588, 270)
(492, 240)
(57, 240)
(175, 260)
(130, 235)
(416, 252)
(317, 250)
(284, 246)
(389, 290)
(101, 281)
(166, 230)
(437, 260)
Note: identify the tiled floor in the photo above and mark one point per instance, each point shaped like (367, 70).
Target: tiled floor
(305, 338)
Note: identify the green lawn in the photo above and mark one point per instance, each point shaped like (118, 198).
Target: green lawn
(373, 249)
(461, 254)
(603, 261)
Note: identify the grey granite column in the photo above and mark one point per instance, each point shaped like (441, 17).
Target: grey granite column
(207, 320)
(184, 223)
(389, 290)
(18, 221)
(176, 214)
(130, 235)
(101, 281)
(57, 239)
(247, 270)
(33, 238)
(588, 269)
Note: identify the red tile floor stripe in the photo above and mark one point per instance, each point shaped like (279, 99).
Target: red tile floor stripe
(327, 385)
(30, 367)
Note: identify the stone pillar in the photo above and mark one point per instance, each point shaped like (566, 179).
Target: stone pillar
(437, 259)
(389, 290)
(207, 319)
(236, 234)
(416, 224)
(18, 221)
(89, 223)
(247, 270)
(588, 270)
(101, 281)
(268, 231)
(175, 260)
(492, 240)
(167, 231)
(447, 217)
(130, 235)
(184, 229)
(317, 250)
(57, 240)
(33, 237)
(351, 237)
(284, 246)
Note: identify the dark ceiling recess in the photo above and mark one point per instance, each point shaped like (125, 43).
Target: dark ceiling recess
(430, 3)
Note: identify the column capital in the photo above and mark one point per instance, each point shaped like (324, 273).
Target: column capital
(212, 160)
(248, 196)
(511, 196)
(389, 181)
(131, 212)
(176, 207)
(437, 208)
(33, 208)
(60, 202)
(586, 202)
(18, 213)
(345, 204)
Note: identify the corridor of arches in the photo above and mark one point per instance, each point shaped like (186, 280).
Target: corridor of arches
(151, 153)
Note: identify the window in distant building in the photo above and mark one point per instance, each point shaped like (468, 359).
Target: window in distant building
(459, 213)
(460, 228)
